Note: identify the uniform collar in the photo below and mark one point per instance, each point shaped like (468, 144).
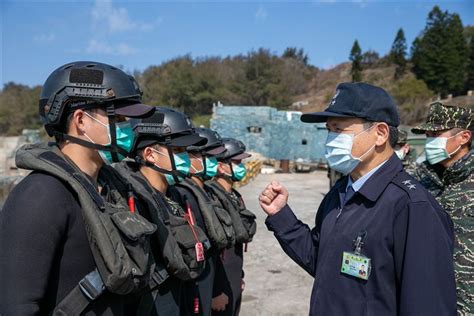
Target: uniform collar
(376, 184)
(460, 170)
(356, 185)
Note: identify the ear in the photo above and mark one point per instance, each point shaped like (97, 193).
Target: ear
(148, 155)
(466, 137)
(383, 132)
(76, 124)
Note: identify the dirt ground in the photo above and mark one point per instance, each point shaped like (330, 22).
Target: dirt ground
(275, 285)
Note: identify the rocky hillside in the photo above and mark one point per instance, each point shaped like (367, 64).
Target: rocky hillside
(412, 96)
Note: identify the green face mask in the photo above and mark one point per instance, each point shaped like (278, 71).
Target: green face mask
(124, 138)
(182, 163)
(211, 167)
(238, 171)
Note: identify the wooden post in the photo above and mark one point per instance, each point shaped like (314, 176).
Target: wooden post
(285, 165)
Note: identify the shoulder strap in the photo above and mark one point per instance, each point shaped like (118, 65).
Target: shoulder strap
(143, 188)
(115, 180)
(232, 209)
(91, 286)
(102, 238)
(202, 197)
(207, 206)
(239, 196)
(73, 177)
(221, 195)
(88, 289)
(408, 184)
(148, 192)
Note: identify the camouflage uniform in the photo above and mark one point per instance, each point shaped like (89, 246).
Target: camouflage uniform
(401, 141)
(453, 188)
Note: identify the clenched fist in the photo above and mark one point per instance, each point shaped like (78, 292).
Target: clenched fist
(273, 198)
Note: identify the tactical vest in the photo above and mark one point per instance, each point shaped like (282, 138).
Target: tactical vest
(216, 219)
(118, 238)
(176, 239)
(243, 220)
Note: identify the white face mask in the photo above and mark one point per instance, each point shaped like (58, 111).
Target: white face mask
(435, 149)
(339, 151)
(401, 154)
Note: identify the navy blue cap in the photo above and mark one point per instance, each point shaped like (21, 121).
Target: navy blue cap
(360, 100)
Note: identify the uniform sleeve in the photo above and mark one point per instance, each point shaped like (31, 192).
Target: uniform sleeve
(423, 247)
(221, 284)
(297, 240)
(32, 224)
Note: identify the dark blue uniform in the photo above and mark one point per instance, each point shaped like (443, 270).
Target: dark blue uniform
(409, 240)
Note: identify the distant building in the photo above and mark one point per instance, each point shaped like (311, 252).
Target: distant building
(275, 134)
(10, 175)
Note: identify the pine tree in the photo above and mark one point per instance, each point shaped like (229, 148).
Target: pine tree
(356, 58)
(439, 53)
(470, 67)
(295, 53)
(398, 53)
(455, 56)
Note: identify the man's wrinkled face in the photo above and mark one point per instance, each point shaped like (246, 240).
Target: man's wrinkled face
(365, 133)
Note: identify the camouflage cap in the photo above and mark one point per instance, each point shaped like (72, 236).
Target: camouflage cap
(402, 137)
(443, 117)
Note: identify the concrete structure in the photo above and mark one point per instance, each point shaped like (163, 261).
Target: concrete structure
(275, 134)
(8, 147)
(10, 175)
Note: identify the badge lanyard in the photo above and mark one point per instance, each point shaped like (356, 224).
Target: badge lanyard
(355, 263)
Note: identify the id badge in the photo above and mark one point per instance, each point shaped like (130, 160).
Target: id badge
(355, 265)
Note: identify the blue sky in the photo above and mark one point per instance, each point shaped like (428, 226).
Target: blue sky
(39, 36)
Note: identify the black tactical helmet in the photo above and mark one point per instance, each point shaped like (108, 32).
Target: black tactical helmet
(235, 150)
(214, 145)
(166, 126)
(87, 85)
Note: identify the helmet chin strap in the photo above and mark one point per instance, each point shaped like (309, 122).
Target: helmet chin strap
(139, 160)
(113, 132)
(175, 173)
(232, 177)
(204, 172)
(84, 143)
(112, 148)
